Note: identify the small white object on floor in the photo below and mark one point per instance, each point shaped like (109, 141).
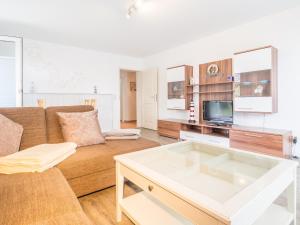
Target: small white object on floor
(36, 159)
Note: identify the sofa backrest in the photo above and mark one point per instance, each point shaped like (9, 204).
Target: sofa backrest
(33, 121)
(54, 133)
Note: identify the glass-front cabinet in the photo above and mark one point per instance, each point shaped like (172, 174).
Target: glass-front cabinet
(255, 76)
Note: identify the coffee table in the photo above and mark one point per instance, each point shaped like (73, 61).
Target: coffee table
(194, 183)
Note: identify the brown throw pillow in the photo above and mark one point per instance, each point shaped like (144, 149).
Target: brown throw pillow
(81, 127)
(10, 136)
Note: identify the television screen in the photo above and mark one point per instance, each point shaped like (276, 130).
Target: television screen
(218, 111)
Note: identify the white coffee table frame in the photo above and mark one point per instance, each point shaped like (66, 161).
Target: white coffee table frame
(249, 207)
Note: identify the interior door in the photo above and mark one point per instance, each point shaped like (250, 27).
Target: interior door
(147, 80)
(10, 71)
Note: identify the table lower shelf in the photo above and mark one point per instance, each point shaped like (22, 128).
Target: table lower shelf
(275, 215)
(143, 209)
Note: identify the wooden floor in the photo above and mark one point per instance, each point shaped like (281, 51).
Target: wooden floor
(127, 125)
(100, 206)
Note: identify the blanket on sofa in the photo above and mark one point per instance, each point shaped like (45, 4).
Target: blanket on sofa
(122, 134)
(36, 159)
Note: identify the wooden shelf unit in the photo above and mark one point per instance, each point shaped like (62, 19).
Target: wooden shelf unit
(217, 87)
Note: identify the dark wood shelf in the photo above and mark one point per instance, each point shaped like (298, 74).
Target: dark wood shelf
(193, 93)
(189, 85)
(216, 83)
(215, 92)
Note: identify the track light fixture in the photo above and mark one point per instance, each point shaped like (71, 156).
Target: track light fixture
(133, 7)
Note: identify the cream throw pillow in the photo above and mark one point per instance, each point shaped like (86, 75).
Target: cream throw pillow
(81, 127)
(10, 136)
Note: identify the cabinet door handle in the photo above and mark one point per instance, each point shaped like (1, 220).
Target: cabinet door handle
(150, 188)
(240, 108)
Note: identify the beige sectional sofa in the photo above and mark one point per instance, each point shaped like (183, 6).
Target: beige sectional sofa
(36, 197)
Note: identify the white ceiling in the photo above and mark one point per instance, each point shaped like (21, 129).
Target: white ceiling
(102, 25)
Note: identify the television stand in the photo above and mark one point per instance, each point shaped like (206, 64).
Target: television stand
(205, 132)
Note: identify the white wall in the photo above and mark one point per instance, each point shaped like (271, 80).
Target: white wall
(280, 30)
(62, 69)
(128, 97)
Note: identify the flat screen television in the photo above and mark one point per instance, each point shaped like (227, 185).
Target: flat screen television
(218, 112)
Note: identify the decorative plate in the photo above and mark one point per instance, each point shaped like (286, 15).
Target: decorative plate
(213, 70)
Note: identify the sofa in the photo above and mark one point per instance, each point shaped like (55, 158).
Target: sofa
(38, 197)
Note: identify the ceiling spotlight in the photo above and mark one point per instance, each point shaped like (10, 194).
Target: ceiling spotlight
(133, 7)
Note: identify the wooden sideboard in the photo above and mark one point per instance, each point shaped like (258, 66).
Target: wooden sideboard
(262, 140)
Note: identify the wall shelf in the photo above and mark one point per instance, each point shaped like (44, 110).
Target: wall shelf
(193, 93)
(192, 85)
(216, 83)
(215, 92)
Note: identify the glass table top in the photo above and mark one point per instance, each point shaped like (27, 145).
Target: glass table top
(210, 170)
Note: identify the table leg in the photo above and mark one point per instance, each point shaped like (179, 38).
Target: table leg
(292, 197)
(119, 191)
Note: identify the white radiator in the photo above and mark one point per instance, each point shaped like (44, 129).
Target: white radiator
(104, 103)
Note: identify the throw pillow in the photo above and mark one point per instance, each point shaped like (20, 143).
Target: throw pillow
(10, 136)
(83, 128)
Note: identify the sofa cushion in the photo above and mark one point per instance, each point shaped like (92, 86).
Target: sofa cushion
(10, 139)
(95, 158)
(54, 131)
(83, 128)
(40, 199)
(33, 121)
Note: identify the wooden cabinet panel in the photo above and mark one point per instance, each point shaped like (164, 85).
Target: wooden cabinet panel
(253, 61)
(169, 133)
(169, 129)
(271, 144)
(253, 104)
(169, 125)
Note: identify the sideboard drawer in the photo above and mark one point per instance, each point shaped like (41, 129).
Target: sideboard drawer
(258, 142)
(169, 133)
(169, 125)
(169, 129)
(169, 199)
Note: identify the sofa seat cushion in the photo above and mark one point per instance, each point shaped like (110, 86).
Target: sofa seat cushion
(40, 199)
(95, 158)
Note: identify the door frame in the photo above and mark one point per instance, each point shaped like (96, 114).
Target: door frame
(19, 66)
(138, 110)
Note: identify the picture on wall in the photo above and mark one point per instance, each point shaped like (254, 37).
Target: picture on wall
(132, 86)
(176, 90)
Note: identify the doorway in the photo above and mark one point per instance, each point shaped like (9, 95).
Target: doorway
(10, 71)
(138, 99)
(128, 97)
